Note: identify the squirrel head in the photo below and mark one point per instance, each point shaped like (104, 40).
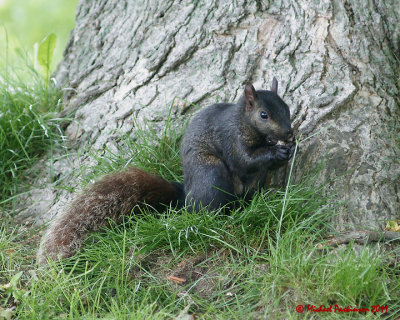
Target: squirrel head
(268, 114)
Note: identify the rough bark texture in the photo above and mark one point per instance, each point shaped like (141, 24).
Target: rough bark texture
(337, 62)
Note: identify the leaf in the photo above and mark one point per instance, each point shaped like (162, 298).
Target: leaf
(185, 315)
(11, 289)
(15, 279)
(46, 51)
(392, 225)
(6, 313)
(5, 287)
(176, 279)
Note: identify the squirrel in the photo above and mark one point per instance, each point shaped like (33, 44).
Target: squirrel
(227, 151)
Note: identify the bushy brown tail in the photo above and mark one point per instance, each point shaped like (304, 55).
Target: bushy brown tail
(112, 197)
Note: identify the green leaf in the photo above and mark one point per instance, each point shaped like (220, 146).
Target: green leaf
(44, 55)
(15, 279)
(6, 313)
(11, 289)
(46, 51)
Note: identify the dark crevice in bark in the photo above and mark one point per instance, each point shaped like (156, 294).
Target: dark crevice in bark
(350, 13)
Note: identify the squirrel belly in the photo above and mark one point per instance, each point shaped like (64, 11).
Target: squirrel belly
(112, 197)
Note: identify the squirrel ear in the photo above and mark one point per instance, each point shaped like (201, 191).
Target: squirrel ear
(250, 94)
(274, 87)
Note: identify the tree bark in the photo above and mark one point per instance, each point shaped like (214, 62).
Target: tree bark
(337, 62)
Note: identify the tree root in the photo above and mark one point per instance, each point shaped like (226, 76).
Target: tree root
(363, 237)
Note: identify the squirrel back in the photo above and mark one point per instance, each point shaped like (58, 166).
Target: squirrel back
(112, 197)
(227, 152)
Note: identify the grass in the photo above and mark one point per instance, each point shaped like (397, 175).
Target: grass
(262, 260)
(235, 269)
(28, 126)
(152, 151)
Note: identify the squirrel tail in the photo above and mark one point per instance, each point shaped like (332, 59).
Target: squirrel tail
(112, 197)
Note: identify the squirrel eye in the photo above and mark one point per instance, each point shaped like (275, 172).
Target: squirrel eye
(263, 115)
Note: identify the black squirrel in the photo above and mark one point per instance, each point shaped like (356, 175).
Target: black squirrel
(227, 151)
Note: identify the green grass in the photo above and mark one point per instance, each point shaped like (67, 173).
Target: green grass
(261, 260)
(239, 271)
(152, 151)
(28, 124)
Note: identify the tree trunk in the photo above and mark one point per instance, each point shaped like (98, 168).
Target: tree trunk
(337, 63)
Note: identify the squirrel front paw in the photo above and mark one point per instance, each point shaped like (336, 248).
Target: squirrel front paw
(284, 152)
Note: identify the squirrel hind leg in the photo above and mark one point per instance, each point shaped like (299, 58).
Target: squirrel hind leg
(180, 195)
(212, 188)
